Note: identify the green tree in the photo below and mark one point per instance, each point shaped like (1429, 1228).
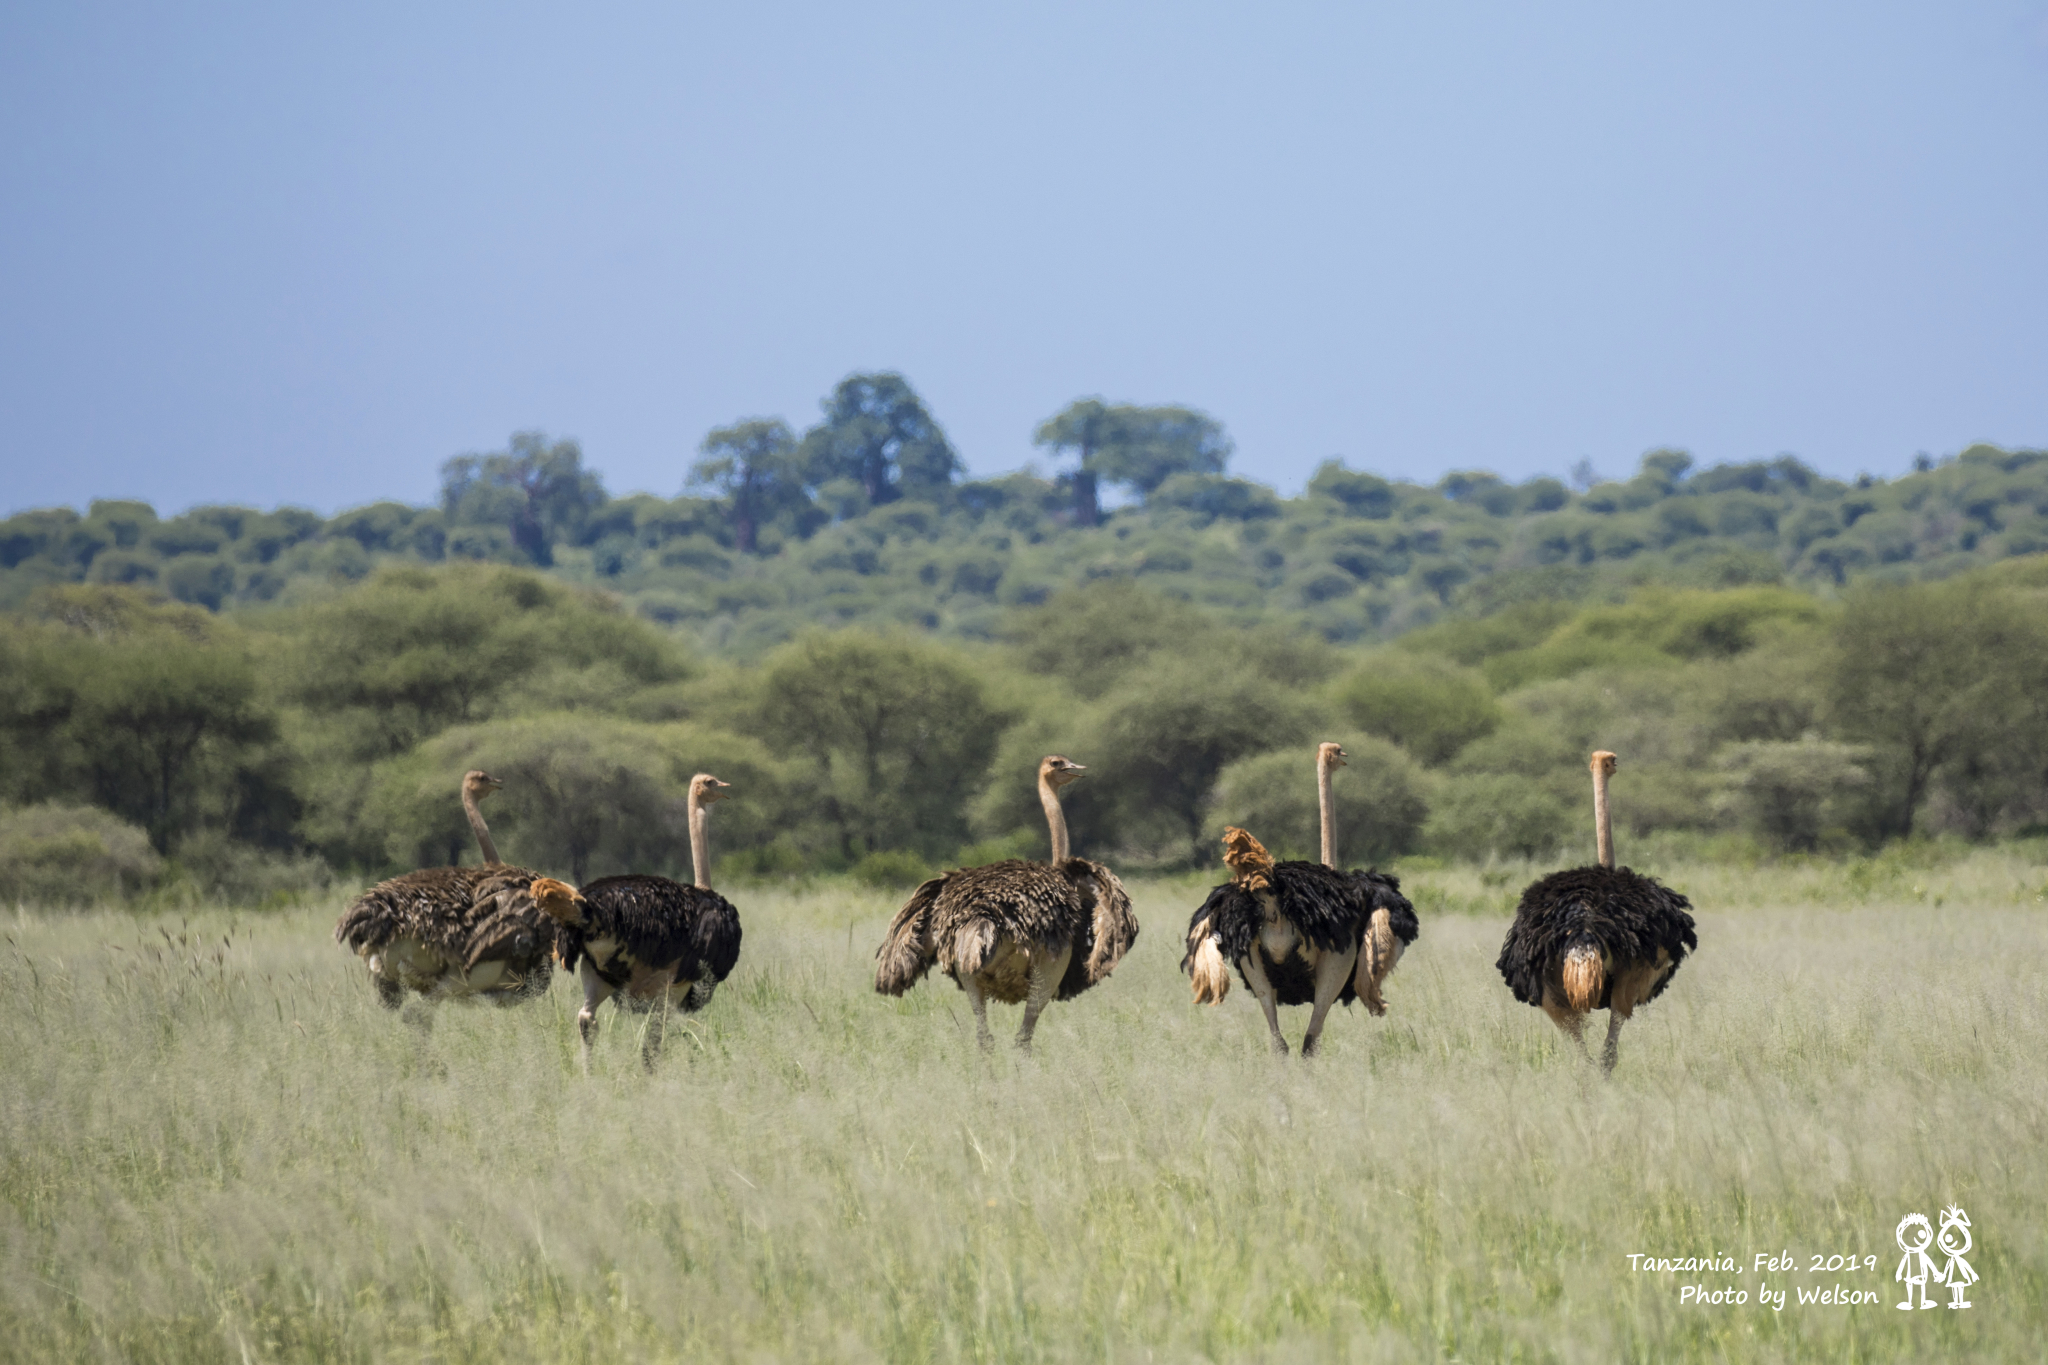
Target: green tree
(1380, 797)
(416, 650)
(754, 467)
(1138, 446)
(896, 734)
(153, 706)
(1170, 730)
(1924, 676)
(1481, 815)
(537, 490)
(1426, 704)
(1790, 793)
(878, 437)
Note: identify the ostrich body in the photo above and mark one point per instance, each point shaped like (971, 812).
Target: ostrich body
(649, 941)
(454, 932)
(1014, 930)
(1594, 938)
(1300, 933)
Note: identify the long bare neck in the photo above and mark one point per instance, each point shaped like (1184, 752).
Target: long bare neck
(1603, 821)
(483, 831)
(1328, 802)
(700, 849)
(1055, 818)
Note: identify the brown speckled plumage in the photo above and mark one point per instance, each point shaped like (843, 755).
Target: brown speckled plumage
(955, 920)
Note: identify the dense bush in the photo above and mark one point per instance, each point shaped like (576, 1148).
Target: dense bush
(56, 854)
(1379, 797)
(264, 750)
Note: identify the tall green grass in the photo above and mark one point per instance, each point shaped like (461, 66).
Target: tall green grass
(215, 1146)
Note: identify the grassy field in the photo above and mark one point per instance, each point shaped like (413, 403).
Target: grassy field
(214, 1146)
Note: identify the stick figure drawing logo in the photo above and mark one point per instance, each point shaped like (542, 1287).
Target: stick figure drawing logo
(1915, 1235)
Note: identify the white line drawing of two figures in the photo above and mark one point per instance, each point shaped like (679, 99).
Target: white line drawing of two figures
(1917, 1268)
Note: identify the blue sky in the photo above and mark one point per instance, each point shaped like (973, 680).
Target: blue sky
(263, 253)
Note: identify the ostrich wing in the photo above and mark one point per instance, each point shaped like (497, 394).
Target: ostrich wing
(508, 925)
(1382, 891)
(907, 951)
(1109, 929)
(658, 922)
(437, 905)
(1232, 914)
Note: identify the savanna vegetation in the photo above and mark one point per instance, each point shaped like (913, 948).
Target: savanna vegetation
(249, 705)
(217, 1146)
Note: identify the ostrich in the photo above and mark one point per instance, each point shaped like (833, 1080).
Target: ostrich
(1300, 933)
(1014, 930)
(453, 932)
(640, 937)
(1600, 937)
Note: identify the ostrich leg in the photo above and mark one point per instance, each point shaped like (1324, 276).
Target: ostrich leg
(595, 992)
(1611, 1053)
(1255, 972)
(1568, 1020)
(979, 1003)
(656, 1034)
(1045, 979)
(1332, 971)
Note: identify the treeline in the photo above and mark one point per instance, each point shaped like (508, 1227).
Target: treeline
(148, 746)
(864, 519)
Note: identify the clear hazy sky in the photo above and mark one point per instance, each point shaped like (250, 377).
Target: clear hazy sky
(289, 253)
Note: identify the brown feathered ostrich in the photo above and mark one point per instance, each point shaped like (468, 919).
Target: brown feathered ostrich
(1300, 933)
(649, 941)
(1015, 930)
(1600, 937)
(454, 932)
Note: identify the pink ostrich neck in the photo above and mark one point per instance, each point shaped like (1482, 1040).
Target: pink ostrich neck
(1327, 799)
(1603, 821)
(476, 824)
(700, 852)
(1055, 818)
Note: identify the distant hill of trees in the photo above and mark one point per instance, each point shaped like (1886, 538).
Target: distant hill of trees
(864, 519)
(244, 704)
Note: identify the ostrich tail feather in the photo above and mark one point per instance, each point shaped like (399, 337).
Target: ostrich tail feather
(1584, 977)
(974, 945)
(1210, 972)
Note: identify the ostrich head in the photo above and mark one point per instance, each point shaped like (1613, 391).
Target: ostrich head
(706, 789)
(477, 784)
(1330, 756)
(1246, 858)
(557, 900)
(1059, 771)
(1603, 763)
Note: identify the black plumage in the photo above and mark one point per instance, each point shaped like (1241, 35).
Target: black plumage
(639, 931)
(1330, 910)
(1627, 916)
(1596, 938)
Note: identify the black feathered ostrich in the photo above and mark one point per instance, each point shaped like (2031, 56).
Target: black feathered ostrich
(454, 932)
(1015, 930)
(1592, 938)
(648, 940)
(1300, 933)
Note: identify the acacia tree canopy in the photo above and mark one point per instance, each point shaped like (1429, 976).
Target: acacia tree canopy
(754, 466)
(537, 490)
(877, 436)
